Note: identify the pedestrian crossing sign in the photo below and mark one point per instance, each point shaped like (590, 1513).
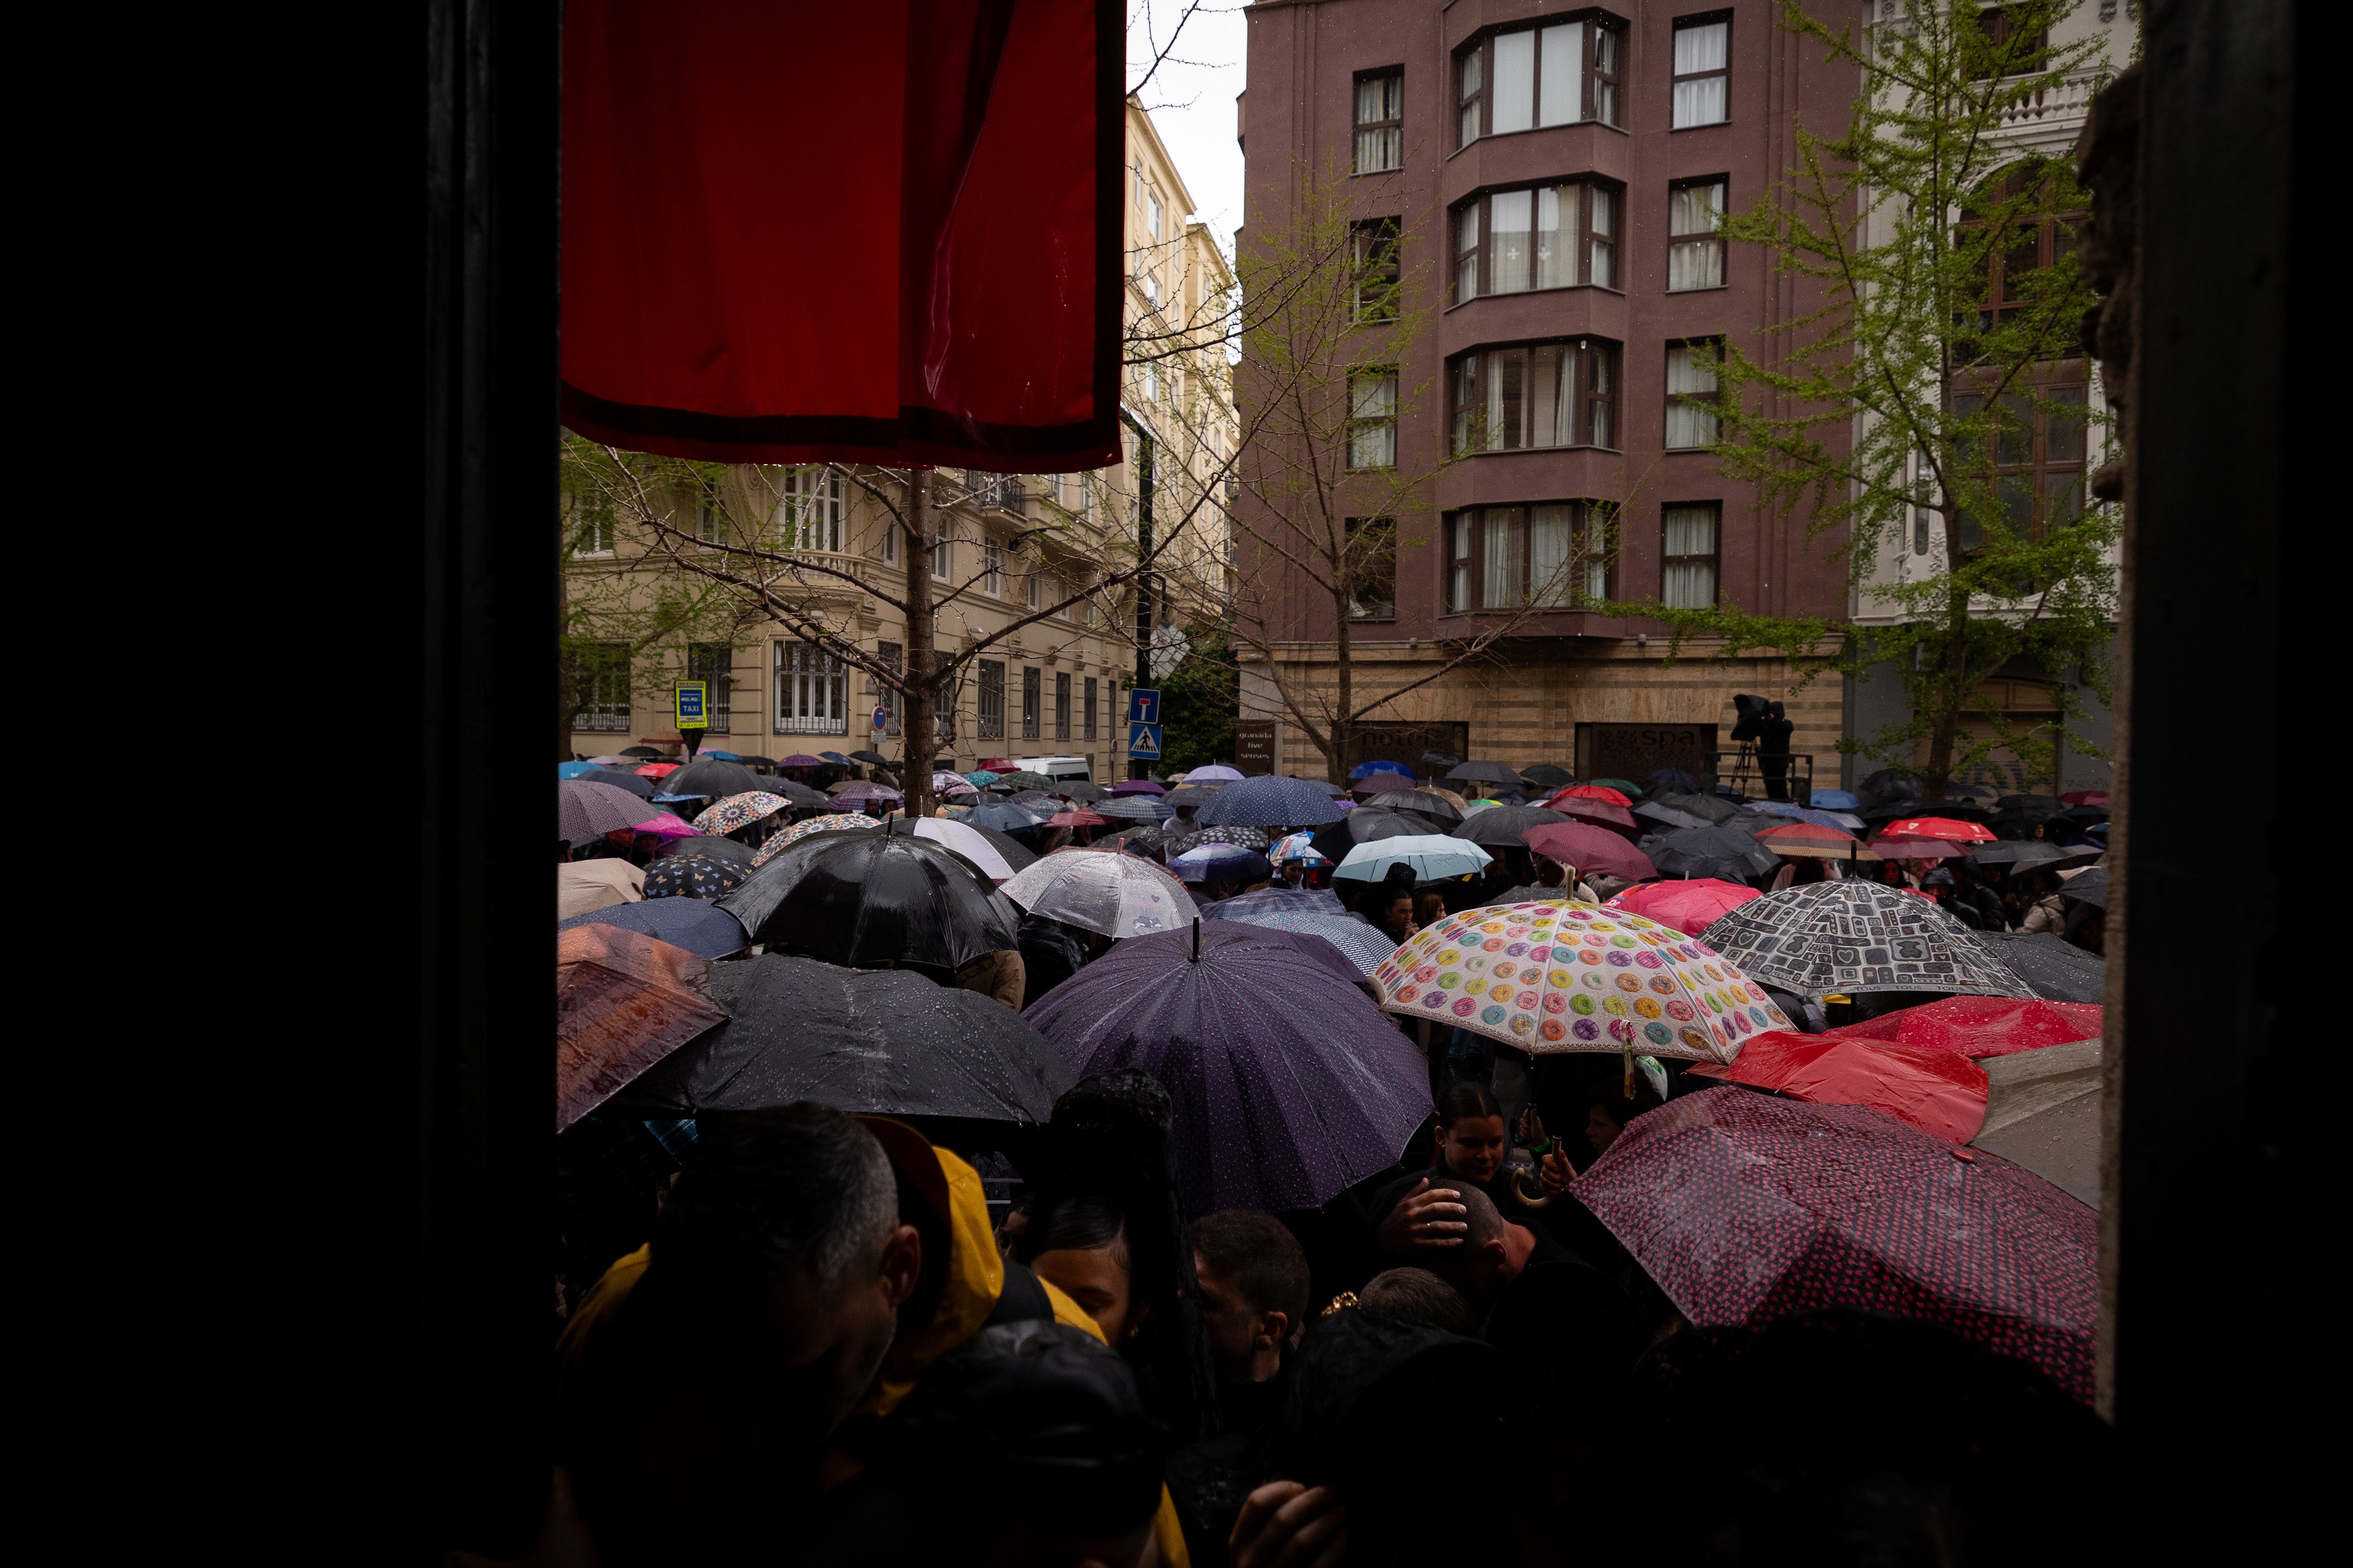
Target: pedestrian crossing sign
(1144, 741)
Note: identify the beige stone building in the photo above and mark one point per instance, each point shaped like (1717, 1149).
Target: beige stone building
(820, 544)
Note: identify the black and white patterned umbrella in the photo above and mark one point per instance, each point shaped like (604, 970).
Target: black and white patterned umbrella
(1854, 937)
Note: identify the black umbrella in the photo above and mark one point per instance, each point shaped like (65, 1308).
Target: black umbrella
(879, 1043)
(1670, 817)
(1713, 808)
(649, 752)
(874, 900)
(643, 788)
(1502, 826)
(1189, 795)
(875, 758)
(758, 761)
(1889, 786)
(1723, 852)
(1363, 826)
(1484, 773)
(712, 846)
(714, 779)
(1673, 781)
(1548, 776)
(2091, 888)
(1081, 791)
(2054, 968)
(1955, 810)
(1433, 809)
(2019, 852)
(797, 792)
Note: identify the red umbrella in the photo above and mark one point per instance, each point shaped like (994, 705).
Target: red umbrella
(1939, 827)
(1919, 850)
(1982, 1026)
(1600, 811)
(1077, 820)
(1691, 906)
(1803, 840)
(995, 765)
(2085, 797)
(657, 769)
(1590, 792)
(1745, 1209)
(1589, 849)
(1942, 1094)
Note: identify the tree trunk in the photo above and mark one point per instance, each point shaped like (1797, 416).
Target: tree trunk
(1939, 771)
(1343, 717)
(916, 722)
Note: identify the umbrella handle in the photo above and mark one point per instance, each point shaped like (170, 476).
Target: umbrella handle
(1535, 1200)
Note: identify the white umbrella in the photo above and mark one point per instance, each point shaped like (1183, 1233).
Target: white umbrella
(1118, 895)
(1215, 773)
(1433, 856)
(966, 842)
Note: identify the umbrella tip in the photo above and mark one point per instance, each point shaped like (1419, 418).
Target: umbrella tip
(1197, 937)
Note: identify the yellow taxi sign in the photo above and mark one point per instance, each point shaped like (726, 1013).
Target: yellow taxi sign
(693, 704)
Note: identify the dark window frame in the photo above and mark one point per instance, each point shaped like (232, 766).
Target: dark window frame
(1588, 514)
(1590, 189)
(2053, 237)
(1361, 128)
(1061, 705)
(989, 723)
(1033, 701)
(2028, 454)
(1599, 360)
(1598, 73)
(1091, 685)
(1375, 567)
(1683, 24)
(1376, 267)
(1713, 399)
(1677, 238)
(1998, 23)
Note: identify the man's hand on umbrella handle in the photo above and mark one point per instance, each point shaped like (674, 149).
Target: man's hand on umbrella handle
(1286, 1525)
(1424, 1221)
(1555, 1172)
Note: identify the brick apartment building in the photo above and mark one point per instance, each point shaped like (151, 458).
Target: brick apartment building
(1556, 175)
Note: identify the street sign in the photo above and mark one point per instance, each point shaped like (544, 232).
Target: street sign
(1144, 705)
(881, 717)
(692, 711)
(1144, 741)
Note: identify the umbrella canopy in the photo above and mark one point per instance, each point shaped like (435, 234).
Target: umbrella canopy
(667, 825)
(875, 900)
(1359, 944)
(1384, 784)
(1433, 856)
(2085, 797)
(1854, 937)
(873, 1043)
(1591, 849)
(1720, 852)
(1268, 801)
(943, 783)
(1938, 827)
(623, 1002)
(585, 885)
(1247, 837)
(1479, 772)
(2017, 852)
(689, 925)
(1364, 825)
(2088, 888)
(1215, 773)
(797, 792)
(1505, 826)
(1610, 815)
(1835, 800)
(1429, 808)
(836, 821)
(656, 770)
(872, 758)
(1655, 811)
(1746, 1208)
(2052, 967)
(1919, 850)
(1379, 765)
(2043, 1111)
(1978, 1026)
(982, 776)
(1804, 840)
(1712, 807)
(968, 842)
(1134, 808)
(1077, 820)
(723, 849)
(1082, 792)
(1013, 853)
(798, 760)
(1006, 817)
(1299, 846)
(714, 779)
(1595, 792)
(1673, 780)
(1288, 1086)
(691, 875)
(1139, 786)
(1942, 1094)
(1189, 794)
(738, 812)
(639, 752)
(643, 788)
(1690, 907)
(863, 791)
(1025, 779)
(1117, 895)
(1554, 976)
(585, 811)
(1289, 900)
(1545, 775)
(1221, 863)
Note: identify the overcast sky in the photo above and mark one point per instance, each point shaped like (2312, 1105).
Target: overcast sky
(1191, 99)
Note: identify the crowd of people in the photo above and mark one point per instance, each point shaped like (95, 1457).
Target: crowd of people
(800, 1335)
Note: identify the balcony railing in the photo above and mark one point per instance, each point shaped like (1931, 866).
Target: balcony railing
(2071, 100)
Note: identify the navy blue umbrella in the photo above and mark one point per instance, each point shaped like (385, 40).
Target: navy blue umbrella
(1379, 765)
(695, 924)
(1288, 1084)
(1268, 801)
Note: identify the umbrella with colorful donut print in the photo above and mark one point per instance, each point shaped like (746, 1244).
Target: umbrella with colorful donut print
(1551, 976)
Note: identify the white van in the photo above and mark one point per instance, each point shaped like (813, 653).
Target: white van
(1062, 769)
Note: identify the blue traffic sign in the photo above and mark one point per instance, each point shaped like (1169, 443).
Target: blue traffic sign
(1144, 740)
(1144, 707)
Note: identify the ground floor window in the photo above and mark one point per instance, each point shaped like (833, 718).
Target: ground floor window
(606, 683)
(812, 691)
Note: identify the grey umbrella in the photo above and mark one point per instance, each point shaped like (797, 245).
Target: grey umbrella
(1132, 808)
(713, 778)
(1713, 808)
(2091, 888)
(1667, 815)
(1435, 810)
(1486, 773)
(1855, 937)
(1505, 824)
(1725, 852)
(871, 1042)
(584, 810)
(2056, 969)
(1081, 791)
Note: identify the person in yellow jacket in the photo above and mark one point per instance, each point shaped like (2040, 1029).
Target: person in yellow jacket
(805, 1275)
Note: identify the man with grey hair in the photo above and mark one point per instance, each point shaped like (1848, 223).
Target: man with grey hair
(701, 1379)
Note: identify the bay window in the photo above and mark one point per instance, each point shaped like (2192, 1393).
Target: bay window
(1527, 396)
(1553, 236)
(1526, 78)
(1553, 555)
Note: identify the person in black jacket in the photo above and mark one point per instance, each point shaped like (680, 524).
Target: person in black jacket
(1773, 752)
(1051, 952)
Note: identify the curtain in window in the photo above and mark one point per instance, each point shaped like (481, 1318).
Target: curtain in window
(1508, 241)
(1602, 268)
(1550, 531)
(1515, 80)
(1601, 397)
(1504, 546)
(1459, 588)
(1556, 232)
(1471, 85)
(1562, 70)
(1596, 551)
(1372, 443)
(1466, 253)
(1380, 148)
(1695, 262)
(1690, 369)
(1702, 49)
(1689, 584)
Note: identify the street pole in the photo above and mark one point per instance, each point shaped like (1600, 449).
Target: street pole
(1136, 767)
(915, 725)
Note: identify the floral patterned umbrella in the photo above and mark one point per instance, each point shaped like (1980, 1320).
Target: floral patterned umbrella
(1574, 977)
(800, 830)
(739, 811)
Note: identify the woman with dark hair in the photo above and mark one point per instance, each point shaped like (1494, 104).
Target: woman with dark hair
(1608, 1112)
(1080, 1245)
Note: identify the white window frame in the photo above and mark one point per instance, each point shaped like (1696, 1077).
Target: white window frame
(992, 568)
(810, 507)
(812, 690)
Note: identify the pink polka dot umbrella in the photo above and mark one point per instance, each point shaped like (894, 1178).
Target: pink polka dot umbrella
(1552, 976)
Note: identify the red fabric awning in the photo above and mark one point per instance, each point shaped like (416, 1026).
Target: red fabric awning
(849, 233)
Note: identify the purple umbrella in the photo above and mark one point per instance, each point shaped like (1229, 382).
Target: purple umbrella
(859, 794)
(1140, 786)
(1289, 1087)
